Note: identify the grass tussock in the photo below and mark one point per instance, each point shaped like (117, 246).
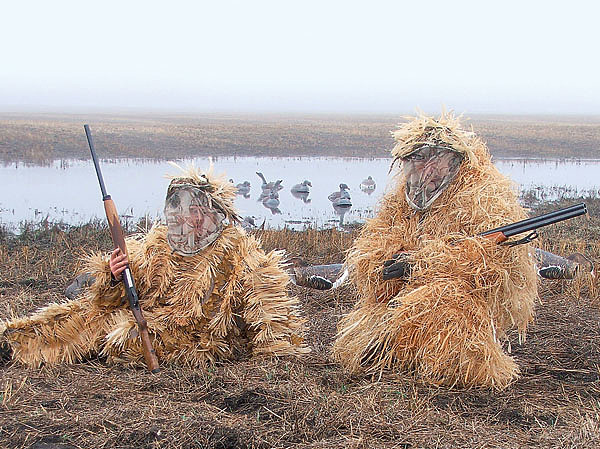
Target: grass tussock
(310, 403)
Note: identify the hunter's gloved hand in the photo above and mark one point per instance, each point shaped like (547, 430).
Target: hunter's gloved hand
(398, 267)
(5, 352)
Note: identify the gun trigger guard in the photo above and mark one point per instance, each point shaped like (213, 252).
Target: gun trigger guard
(527, 239)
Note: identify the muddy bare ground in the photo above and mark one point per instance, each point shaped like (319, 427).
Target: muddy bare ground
(308, 403)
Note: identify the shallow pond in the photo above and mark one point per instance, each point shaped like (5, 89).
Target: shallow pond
(69, 190)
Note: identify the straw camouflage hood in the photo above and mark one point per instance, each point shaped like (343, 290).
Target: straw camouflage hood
(197, 207)
(431, 153)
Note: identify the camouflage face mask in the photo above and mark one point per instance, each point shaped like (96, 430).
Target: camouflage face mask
(428, 170)
(192, 221)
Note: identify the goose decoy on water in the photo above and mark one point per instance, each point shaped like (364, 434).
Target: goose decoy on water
(266, 193)
(301, 191)
(272, 199)
(368, 185)
(342, 193)
(269, 185)
(303, 187)
(243, 188)
(272, 202)
(342, 202)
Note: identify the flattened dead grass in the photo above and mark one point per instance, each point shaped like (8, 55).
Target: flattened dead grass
(309, 403)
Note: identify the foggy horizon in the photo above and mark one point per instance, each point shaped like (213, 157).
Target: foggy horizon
(517, 58)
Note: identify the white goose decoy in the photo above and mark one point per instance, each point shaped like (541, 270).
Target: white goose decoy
(342, 202)
(368, 185)
(342, 193)
(266, 193)
(303, 187)
(269, 185)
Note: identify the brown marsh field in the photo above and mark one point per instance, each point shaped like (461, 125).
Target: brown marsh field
(282, 403)
(308, 403)
(41, 138)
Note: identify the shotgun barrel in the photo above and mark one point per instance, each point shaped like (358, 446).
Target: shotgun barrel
(502, 233)
(118, 238)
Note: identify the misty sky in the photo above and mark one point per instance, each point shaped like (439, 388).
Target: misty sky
(301, 56)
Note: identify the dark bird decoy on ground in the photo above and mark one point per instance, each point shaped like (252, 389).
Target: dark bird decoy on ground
(368, 185)
(342, 193)
(269, 185)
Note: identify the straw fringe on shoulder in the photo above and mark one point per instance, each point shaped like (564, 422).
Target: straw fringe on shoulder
(448, 319)
(228, 300)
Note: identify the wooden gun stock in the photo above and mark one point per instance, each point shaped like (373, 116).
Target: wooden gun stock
(116, 231)
(114, 224)
(496, 237)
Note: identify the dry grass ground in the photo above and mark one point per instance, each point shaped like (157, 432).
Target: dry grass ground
(41, 139)
(308, 403)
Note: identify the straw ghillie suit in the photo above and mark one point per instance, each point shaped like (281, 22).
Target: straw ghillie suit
(447, 320)
(228, 300)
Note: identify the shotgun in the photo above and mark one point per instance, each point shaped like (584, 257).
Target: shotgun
(400, 267)
(501, 234)
(118, 239)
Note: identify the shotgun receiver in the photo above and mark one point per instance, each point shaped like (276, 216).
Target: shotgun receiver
(118, 239)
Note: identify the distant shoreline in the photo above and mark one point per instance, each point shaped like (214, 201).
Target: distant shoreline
(44, 137)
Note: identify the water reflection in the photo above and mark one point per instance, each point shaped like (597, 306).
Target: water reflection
(68, 190)
(301, 196)
(271, 202)
(341, 210)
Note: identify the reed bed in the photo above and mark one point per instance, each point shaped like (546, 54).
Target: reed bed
(310, 403)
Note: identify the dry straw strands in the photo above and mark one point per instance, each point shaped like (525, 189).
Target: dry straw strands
(228, 300)
(448, 320)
